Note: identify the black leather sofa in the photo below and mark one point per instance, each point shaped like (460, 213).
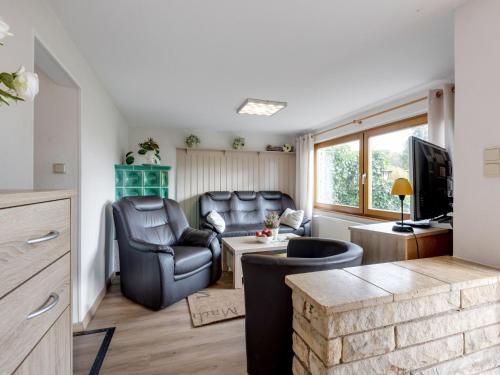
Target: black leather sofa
(268, 300)
(244, 211)
(162, 259)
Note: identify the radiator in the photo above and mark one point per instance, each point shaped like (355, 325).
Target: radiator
(332, 227)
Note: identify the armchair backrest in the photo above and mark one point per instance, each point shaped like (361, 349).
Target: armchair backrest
(150, 219)
(268, 300)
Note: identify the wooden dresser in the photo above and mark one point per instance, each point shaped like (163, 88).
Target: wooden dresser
(35, 282)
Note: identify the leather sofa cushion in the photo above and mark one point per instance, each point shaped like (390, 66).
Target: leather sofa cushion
(220, 195)
(147, 204)
(238, 230)
(246, 211)
(190, 258)
(272, 195)
(272, 206)
(246, 195)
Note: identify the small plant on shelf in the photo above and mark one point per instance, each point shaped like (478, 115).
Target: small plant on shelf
(192, 141)
(239, 143)
(129, 158)
(151, 150)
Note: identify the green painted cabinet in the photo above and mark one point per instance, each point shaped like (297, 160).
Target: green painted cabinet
(133, 180)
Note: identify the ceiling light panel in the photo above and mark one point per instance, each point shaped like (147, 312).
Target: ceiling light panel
(261, 107)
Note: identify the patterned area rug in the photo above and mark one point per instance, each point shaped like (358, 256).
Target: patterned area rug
(215, 305)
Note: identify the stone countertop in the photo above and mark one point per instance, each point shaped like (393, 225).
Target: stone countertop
(357, 287)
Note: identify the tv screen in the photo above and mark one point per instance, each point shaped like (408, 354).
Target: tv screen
(430, 172)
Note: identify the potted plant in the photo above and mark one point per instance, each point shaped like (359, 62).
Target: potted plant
(16, 86)
(151, 150)
(272, 222)
(239, 143)
(192, 141)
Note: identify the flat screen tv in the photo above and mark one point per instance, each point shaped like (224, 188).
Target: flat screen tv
(430, 173)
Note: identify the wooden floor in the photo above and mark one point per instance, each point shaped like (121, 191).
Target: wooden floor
(164, 342)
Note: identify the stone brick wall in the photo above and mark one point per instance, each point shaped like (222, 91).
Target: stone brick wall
(456, 332)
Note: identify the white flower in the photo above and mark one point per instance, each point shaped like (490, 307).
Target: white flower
(26, 84)
(4, 30)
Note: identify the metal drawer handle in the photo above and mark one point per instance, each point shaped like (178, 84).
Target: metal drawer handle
(46, 306)
(49, 236)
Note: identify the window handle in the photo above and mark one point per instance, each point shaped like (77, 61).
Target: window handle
(363, 178)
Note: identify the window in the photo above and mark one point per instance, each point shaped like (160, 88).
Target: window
(354, 174)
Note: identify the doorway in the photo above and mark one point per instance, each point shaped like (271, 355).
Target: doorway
(56, 143)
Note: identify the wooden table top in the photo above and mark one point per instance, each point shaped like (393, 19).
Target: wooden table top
(385, 228)
(249, 244)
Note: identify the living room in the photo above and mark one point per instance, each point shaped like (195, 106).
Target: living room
(263, 188)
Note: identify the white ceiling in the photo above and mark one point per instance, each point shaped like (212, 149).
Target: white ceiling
(187, 63)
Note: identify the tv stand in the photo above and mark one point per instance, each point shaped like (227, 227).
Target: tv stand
(381, 244)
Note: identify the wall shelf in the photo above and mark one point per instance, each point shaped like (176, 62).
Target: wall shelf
(233, 150)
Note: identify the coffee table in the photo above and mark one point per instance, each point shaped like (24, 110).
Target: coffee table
(234, 247)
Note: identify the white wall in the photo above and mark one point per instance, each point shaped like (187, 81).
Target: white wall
(55, 134)
(103, 133)
(171, 138)
(477, 62)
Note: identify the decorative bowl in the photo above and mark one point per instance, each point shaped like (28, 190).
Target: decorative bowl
(264, 239)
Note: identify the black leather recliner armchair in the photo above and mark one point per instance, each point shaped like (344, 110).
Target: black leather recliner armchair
(162, 259)
(268, 300)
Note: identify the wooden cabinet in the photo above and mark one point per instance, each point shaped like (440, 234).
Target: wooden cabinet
(380, 244)
(35, 282)
(52, 355)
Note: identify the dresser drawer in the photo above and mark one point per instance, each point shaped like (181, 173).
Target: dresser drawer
(31, 238)
(52, 355)
(29, 311)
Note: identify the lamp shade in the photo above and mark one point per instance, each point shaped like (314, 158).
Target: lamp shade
(401, 187)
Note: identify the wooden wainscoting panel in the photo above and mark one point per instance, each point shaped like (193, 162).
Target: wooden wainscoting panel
(199, 171)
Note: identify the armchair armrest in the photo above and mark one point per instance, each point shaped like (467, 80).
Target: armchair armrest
(305, 220)
(144, 246)
(197, 237)
(207, 225)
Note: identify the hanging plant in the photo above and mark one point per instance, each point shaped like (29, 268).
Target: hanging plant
(192, 141)
(151, 150)
(16, 86)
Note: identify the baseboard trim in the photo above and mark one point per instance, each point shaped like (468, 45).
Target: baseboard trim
(82, 326)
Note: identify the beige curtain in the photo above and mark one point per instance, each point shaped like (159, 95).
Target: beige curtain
(442, 117)
(304, 187)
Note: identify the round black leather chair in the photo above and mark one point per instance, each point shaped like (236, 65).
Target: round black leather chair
(268, 301)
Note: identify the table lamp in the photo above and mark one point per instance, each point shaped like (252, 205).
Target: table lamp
(402, 188)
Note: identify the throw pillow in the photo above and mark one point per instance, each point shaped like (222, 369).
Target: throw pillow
(217, 221)
(292, 218)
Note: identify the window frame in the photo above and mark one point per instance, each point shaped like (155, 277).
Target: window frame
(364, 189)
(334, 207)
